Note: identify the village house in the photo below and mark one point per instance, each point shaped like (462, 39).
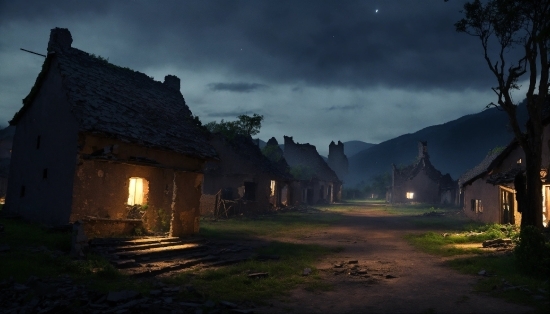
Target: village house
(337, 159)
(488, 189)
(6, 139)
(318, 183)
(244, 180)
(421, 182)
(107, 146)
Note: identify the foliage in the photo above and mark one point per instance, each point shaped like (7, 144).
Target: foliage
(272, 152)
(515, 36)
(379, 185)
(496, 150)
(532, 253)
(302, 172)
(245, 125)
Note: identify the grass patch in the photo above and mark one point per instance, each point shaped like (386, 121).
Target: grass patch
(292, 224)
(38, 251)
(233, 283)
(505, 281)
(443, 243)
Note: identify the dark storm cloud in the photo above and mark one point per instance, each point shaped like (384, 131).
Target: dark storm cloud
(236, 87)
(407, 44)
(345, 107)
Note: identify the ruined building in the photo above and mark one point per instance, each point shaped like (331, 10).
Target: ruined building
(337, 160)
(420, 182)
(105, 145)
(318, 183)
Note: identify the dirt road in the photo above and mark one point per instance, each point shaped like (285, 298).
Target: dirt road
(387, 274)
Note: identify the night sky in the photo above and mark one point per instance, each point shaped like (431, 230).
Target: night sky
(317, 70)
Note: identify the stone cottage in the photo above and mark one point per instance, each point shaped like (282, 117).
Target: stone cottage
(244, 180)
(421, 182)
(6, 140)
(337, 159)
(105, 145)
(318, 183)
(488, 189)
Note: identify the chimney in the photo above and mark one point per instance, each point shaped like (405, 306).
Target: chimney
(422, 149)
(60, 39)
(172, 82)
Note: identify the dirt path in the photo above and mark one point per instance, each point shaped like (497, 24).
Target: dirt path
(398, 279)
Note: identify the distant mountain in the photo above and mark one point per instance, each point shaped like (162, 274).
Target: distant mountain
(454, 147)
(353, 147)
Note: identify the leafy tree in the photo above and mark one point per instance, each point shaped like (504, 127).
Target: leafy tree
(250, 125)
(520, 32)
(245, 125)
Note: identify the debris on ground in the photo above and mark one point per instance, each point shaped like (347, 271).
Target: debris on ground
(497, 243)
(63, 295)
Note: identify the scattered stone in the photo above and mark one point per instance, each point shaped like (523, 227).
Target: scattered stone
(496, 243)
(353, 262)
(228, 304)
(306, 271)
(338, 265)
(119, 296)
(390, 276)
(482, 272)
(258, 275)
(155, 292)
(362, 271)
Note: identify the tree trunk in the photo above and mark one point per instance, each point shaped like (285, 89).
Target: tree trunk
(531, 205)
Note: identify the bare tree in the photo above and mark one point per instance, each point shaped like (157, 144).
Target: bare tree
(515, 36)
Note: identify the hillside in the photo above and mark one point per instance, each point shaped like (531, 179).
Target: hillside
(454, 147)
(353, 147)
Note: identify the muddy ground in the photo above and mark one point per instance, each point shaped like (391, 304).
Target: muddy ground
(379, 272)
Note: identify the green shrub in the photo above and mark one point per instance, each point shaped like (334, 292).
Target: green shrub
(532, 253)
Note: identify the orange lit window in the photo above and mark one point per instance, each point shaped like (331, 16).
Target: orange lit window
(136, 191)
(410, 195)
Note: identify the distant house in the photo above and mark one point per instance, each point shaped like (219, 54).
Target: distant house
(420, 182)
(96, 142)
(318, 183)
(244, 180)
(337, 159)
(6, 140)
(488, 189)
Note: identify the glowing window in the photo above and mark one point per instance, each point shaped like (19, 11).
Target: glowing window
(272, 188)
(410, 195)
(136, 191)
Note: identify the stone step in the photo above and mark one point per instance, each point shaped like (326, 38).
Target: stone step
(170, 267)
(114, 242)
(161, 251)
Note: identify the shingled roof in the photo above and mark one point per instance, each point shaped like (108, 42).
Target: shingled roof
(118, 102)
(250, 154)
(479, 170)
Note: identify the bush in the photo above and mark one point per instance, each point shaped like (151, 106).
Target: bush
(532, 253)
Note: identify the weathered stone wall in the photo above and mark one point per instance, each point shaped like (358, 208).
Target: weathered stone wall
(337, 160)
(44, 156)
(489, 196)
(424, 188)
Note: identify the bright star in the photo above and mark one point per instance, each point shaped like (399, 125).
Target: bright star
(376, 11)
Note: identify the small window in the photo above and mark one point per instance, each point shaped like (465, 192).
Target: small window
(45, 173)
(250, 191)
(137, 191)
(519, 161)
(476, 206)
(410, 195)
